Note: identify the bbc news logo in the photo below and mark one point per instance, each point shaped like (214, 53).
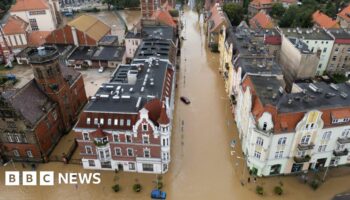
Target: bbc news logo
(47, 178)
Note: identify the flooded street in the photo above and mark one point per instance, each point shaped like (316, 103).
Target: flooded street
(202, 167)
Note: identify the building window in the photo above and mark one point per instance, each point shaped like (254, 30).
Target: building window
(259, 141)
(322, 148)
(91, 163)
(121, 122)
(9, 137)
(17, 138)
(88, 149)
(130, 152)
(128, 122)
(334, 58)
(278, 154)
(101, 121)
(144, 127)
(37, 12)
(33, 24)
(131, 166)
(147, 153)
(326, 135)
(109, 122)
(264, 126)
(15, 153)
(147, 167)
(88, 121)
(116, 138)
(96, 121)
(128, 139)
(301, 153)
(345, 133)
(145, 139)
(282, 141)
(115, 122)
(29, 154)
(257, 154)
(118, 151)
(86, 136)
(305, 139)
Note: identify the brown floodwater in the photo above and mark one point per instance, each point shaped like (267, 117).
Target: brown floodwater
(202, 167)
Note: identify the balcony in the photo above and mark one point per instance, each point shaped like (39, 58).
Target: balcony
(302, 159)
(344, 140)
(341, 153)
(304, 147)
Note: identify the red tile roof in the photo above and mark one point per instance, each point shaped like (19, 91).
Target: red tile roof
(15, 25)
(217, 18)
(27, 5)
(98, 133)
(323, 20)
(341, 114)
(345, 13)
(163, 118)
(261, 20)
(38, 38)
(164, 17)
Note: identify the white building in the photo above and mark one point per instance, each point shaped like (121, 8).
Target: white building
(42, 15)
(317, 41)
(289, 133)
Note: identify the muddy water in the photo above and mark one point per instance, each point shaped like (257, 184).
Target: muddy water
(202, 167)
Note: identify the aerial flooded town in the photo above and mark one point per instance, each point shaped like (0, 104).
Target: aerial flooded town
(175, 99)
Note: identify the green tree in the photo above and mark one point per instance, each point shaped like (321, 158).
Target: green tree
(330, 9)
(296, 16)
(277, 10)
(234, 12)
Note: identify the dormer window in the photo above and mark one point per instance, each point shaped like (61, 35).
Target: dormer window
(264, 126)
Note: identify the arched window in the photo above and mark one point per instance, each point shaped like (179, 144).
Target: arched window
(305, 139)
(282, 141)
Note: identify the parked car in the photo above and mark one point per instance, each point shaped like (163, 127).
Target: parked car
(185, 100)
(101, 69)
(157, 194)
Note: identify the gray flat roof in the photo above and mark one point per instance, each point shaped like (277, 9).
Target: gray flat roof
(339, 33)
(163, 49)
(307, 33)
(105, 53)
(255, 65)
(122, 95)
(326, 97)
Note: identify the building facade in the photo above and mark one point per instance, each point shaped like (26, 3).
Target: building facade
(35, 117)
(41, 15)
(127, 125)
(339, 62)
(318, 42)
(290, 133)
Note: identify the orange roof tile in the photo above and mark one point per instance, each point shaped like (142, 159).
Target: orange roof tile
(341, 114)
(323, 20)
(38, 38)
(345, 13)
(261, 20)
(164, 17)
(27, 5)
(217, 18)
(15, 25)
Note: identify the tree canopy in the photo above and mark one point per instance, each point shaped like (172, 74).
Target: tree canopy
(234, 12)
(277, 10)
(296, 16)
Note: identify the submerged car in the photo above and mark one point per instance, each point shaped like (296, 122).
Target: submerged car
(185, 100)
(157, 194)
